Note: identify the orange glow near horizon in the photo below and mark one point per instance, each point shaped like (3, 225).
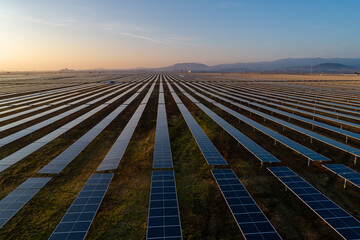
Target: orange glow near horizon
(33, 45)
(52, 35)
(50, 53)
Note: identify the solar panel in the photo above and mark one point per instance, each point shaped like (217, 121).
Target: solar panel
(345, 172)
(211, 154)
(308, 101)
(22, 133)
(31, 118)
(13, 202)
(27, 150)
(329, 93)
(249, 217)
(164, 218)
(36, 95)
(12, 109)
(15, 136)
(113, 158)
(341, 221)
(77, 220)
(326, 140)
(305, 102)
(65, 98)
(62, 160)
(313, 115)
(280, 104)
(312, 155)
(325, 126)
(162, 149)
(34, 117)
(28, 111)
(15, 99)
(339, 168)
(254, 148)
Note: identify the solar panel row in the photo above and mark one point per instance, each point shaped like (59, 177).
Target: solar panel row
(326, 140)
(262, 92)
(307, 99)
(52, 100)
(310, 154)
(27, 131)
(299, 105)
(254, 148)
(9, 109)
(325, 126)
(312, 114)
(51, 120)
(62, 160)
(249, 217)
(64, 98)
(162, 149)
(27, 150)
(13, 202)
(211, 154)
(36, 95)
(32, 118)
(328, 127)
(317, 93)
(304, 101)
(316, 97)
(113, 158)
(58, 132)
(19, 114)
(341, 221)
(345, 172)
(77, 220)
(164, 218)
(347, 94)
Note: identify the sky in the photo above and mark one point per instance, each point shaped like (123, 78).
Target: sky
(116, 34)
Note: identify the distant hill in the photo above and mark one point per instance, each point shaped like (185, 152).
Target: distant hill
(184, 67)
(286, 65)
(326, 68)
(282, 65)
(332, 66)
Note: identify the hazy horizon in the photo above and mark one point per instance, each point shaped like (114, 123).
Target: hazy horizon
(51, 35)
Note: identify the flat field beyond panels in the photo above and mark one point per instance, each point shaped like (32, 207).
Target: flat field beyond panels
(238, 156)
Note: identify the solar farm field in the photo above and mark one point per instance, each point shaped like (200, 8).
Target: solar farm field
(179, 156)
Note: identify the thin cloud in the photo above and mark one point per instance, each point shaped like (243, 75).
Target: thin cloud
(50, 23)
(115, 27)
(142, 37)
(161, 39)
(181, 38)
(123, 29)
(146, 34)
(54, 23)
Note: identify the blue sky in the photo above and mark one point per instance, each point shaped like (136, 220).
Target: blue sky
(82, 34)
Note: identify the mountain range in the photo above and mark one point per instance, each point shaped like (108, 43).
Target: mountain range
(330, 65)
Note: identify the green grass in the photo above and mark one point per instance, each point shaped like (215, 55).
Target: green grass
(203, 211)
